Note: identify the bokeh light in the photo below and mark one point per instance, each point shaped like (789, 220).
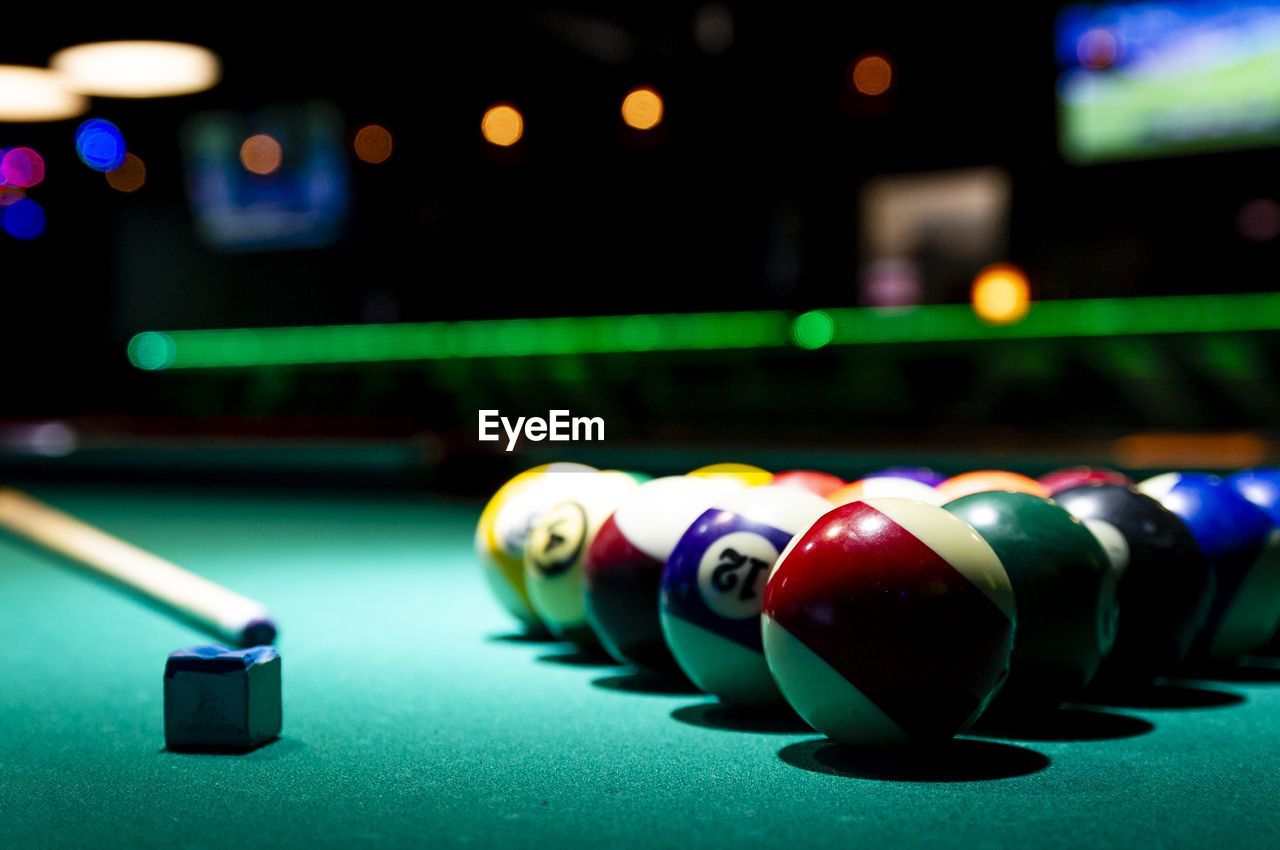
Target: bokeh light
(642, 108)
(813, 329)
(261, 154)
(100, 144)
(37, 94)
(892, 283)
(130, 176)
(43, 439)
(9, 195)
(502, 125)
(1259, 220)
(21, 168)
(372, 144)
(23, 219)
(871, 75)
(1097, 48)
(713, 29)
(152, 350)
(1001, 294)
(137, 68)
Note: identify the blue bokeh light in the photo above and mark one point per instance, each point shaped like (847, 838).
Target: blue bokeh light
(23, 219)
(100, 144)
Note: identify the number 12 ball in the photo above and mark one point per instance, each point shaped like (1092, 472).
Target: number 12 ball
(713, 584)
(888, 622)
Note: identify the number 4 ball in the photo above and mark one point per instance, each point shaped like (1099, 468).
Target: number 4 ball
(888, 622)
(504, 527)
(556, 546)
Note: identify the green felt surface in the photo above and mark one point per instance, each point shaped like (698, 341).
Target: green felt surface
(414, 717)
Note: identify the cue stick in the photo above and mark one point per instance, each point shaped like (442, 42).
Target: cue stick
(190, 597)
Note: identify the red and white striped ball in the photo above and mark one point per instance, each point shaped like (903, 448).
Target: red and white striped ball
(889, 622)
(622, 572)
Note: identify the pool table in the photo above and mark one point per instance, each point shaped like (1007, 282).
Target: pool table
(416, 714)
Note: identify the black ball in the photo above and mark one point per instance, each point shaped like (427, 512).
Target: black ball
(1166, 587)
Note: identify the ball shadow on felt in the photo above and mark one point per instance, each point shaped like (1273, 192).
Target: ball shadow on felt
(957, 760)
(771, 720)
(641, 681)
(1065, 723)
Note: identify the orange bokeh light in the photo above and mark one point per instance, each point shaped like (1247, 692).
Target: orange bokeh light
(1001, 294)
(130, 176)
(372, 143)
(502, 125)
(261, 154)
(642, 108)
(871, 75)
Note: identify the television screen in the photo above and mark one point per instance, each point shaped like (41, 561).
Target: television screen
(271, 179)
(1144, 80)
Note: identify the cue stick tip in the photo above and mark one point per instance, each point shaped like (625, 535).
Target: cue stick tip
(258, 632)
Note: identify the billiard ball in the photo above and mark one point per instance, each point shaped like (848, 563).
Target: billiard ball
(1073, 476)
(744, 473)
(822, 483)
(713, 584)
(881, 486)
(984, 480)
(622, 571)
(1165, 584)
(888, 622)
(1242, 546)
(1065, 587)
(504, 526)
(555, 548)
(923, 474)
(1260, 485)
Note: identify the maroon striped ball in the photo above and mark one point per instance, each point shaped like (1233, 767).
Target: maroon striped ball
(889, 622)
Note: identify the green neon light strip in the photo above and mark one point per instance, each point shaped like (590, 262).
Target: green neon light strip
(441, 340)
(1072, 318)
(244, 347)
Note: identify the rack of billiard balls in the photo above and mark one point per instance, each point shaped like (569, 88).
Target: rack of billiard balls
(897, 608)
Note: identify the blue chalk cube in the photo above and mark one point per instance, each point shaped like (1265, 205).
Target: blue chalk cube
(219, 698)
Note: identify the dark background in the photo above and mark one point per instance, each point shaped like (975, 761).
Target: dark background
(744, 197)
